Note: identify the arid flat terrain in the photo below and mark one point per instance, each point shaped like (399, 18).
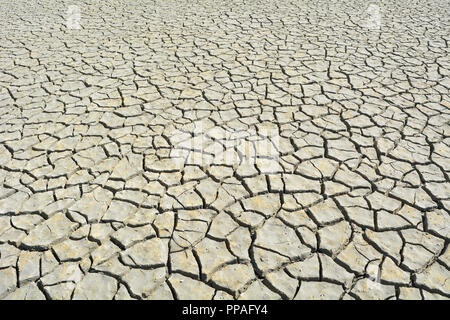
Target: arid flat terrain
(224, 149)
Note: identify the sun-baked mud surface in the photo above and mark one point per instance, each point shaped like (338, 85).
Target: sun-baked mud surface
(336, 127)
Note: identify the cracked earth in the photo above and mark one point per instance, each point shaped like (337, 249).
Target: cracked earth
(107, 192)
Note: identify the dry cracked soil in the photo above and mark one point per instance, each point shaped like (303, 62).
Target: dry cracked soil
(224, 149)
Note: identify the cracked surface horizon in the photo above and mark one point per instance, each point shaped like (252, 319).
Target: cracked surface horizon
(355, 205)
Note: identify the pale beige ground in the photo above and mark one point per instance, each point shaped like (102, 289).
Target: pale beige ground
(225, 149)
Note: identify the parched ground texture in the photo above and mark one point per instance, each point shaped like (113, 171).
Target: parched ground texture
(103, 194)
